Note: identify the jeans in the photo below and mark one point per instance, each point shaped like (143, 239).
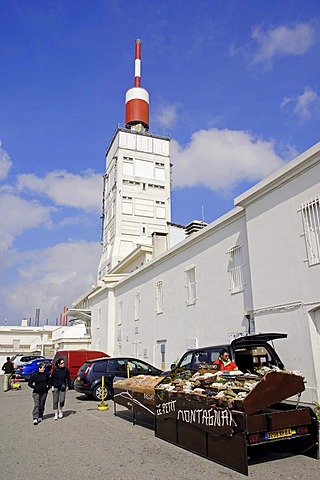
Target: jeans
(7, 382)
(39, 400)
(59, 398)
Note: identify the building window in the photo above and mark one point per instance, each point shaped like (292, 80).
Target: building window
(119, 335)
(127, 205)
(235, 269)
(99, 317)
(159, 297)
(136, 306)
(160, 209)
(311, 225)
(191, 285)
(119, 312)
(144, 229)
(128, 166)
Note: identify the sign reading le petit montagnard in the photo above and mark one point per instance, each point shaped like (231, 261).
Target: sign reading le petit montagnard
(216, 420)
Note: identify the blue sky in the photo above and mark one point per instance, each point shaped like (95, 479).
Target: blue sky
(236, 85)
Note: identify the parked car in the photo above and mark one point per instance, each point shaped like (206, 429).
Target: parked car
(89, 378)
(19, 359)
(26, 370)
(249, 352)
(75, 358)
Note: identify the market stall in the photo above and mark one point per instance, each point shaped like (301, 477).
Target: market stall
(223, 415)
(136, 394)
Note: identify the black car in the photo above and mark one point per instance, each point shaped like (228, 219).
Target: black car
(89, 377)
(249, 352)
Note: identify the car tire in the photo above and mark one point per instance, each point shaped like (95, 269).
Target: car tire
(97, 393)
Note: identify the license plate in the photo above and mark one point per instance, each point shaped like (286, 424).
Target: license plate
(287, 432)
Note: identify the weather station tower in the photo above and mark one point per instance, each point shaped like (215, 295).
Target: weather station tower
(136, 194)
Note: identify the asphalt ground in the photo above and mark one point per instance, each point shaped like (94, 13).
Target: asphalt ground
(92, 444)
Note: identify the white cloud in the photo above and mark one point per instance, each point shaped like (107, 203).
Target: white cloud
(5, 163)
(19, 215)
(166, 115)
(50, 278)
(277, 42)
(219, 159)
(304, 105)
(66, 189)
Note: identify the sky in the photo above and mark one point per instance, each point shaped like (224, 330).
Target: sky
(234, 83)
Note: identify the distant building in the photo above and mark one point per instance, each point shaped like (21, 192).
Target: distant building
(42, 340)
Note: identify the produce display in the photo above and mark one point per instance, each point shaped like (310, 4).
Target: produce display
(140, 383)
(231, 389)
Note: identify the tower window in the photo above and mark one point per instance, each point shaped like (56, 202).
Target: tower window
(143, 229)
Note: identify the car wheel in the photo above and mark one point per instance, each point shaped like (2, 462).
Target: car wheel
(97, 392)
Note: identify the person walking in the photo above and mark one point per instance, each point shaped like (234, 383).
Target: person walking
(60, 382)
(8, 369)
(40, 383)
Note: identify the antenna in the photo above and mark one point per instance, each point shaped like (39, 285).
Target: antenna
(137, 98)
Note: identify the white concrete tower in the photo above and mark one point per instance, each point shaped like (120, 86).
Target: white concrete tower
(136, 197)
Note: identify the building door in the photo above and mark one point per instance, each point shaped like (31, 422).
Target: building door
(315, 342)
(161, 354)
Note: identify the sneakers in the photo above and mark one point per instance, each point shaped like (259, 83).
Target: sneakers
(35, 422)
(60, 414)
(56, 416)
(39, 420)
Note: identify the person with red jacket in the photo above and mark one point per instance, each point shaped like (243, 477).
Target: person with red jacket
(224, 361)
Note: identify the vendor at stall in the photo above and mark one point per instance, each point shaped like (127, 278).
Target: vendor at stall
(224, 361)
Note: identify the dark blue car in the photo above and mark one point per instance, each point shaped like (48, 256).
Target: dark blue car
(25, 371)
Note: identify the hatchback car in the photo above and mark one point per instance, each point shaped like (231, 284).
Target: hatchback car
(26, 370)
(89, 378)
(25, 358)
(249, 352)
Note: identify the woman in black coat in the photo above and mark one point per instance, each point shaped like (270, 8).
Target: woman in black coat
(60, 382)
(39, 382)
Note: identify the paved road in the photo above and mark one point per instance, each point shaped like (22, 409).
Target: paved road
(91, 444)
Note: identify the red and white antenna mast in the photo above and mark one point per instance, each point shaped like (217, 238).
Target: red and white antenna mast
(137, 98)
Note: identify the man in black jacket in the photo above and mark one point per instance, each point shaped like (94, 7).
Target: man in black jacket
(39, 381)
(8, 369)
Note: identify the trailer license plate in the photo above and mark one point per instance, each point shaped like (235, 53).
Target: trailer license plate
(287, 432)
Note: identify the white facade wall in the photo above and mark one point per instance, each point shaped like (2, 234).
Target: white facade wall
(217, 312)
(103, 321)
(285, 288)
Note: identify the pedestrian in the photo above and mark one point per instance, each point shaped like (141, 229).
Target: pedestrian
(8, 369)
(60, 382)
(40, 382)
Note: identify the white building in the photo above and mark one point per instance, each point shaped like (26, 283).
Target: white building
(257, 268)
